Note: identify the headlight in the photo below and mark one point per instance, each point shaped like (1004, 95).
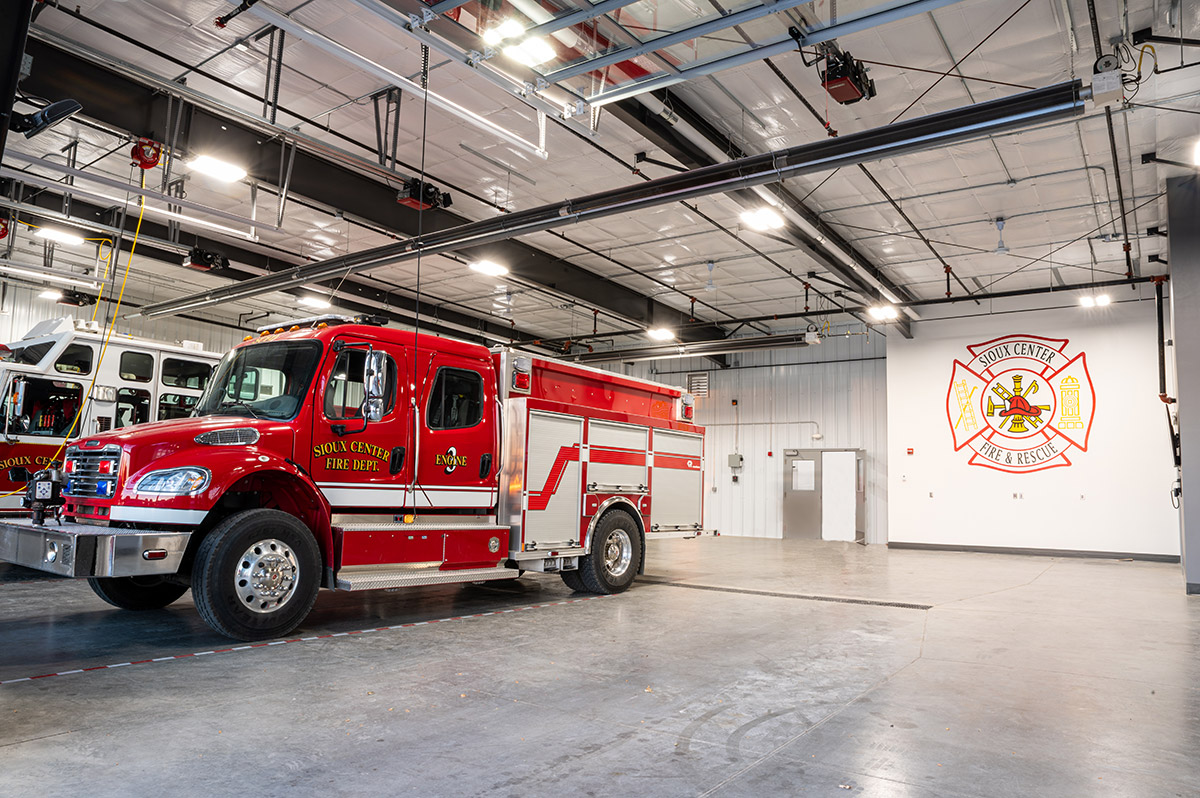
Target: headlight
(175, 481)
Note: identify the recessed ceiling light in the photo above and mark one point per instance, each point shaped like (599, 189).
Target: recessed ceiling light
(59, 236)
(488, 267)
(314, 302)
(216, 169)
(762, 219)
(660, 333)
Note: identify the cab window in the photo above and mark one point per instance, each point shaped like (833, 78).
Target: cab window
(456, 400)
(47, 407)
(344, 393)
(137, 366)
(76, 359)
(133, 407)
(175, 405)
(185, 374)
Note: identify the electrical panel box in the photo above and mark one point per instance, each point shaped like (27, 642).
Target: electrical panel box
(1106, 87)
(735, 461)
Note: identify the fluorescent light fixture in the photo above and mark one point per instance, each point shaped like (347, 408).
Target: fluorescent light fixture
(762, 219)
(660, 333)
(59, 236)
(508, 29)
(216, 169)
(488, 267)
(314, 302)
(51, 293)
(531, 52)
(883, 312)
(8, 268)
(1103, 300)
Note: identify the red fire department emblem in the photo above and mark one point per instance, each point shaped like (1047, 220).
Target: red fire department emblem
(1021, 404)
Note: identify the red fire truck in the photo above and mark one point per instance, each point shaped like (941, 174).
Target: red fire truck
(345, 455)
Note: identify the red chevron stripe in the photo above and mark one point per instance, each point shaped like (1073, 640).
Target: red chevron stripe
(540, 499)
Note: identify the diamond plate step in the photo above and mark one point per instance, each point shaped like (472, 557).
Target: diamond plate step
(376, 577)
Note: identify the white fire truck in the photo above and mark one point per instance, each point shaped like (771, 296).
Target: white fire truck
(341, 454)
(46, 375)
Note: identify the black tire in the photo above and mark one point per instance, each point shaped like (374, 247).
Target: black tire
(612, 563)
(136, 592)
(256, 575)
(573, 580)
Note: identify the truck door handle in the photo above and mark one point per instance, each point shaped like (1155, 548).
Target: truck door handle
(396, 461)
(485, 466)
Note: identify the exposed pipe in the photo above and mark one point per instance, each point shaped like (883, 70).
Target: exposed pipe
(1064, 99)
(1162, 347)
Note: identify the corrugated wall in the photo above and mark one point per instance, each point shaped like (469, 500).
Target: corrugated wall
(22, 308)
(840, 384)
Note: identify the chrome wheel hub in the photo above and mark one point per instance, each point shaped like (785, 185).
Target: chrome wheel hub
(266, 576)
(618, 553)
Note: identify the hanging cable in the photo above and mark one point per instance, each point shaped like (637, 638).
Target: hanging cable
(414, 405)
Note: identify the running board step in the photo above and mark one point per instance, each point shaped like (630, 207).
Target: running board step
(681, 533)
(376, 577)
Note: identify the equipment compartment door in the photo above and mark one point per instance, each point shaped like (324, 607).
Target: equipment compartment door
(554, 495)
(678, 479)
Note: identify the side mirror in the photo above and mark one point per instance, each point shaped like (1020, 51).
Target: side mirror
(17, 408)
(374, 385)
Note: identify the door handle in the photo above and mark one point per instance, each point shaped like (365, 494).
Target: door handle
(485, 466)
(396, 461)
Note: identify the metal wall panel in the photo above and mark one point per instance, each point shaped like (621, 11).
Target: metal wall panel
(839, 384)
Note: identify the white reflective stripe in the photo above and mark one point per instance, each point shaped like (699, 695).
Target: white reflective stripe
(157, 515)
(398, 497)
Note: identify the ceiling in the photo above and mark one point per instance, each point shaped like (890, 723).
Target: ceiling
(909, 217)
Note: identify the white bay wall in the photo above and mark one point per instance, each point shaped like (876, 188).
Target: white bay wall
(840, 384)
(22, 308)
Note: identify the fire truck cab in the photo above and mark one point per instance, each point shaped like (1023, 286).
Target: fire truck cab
(346, 455)
(46, 375)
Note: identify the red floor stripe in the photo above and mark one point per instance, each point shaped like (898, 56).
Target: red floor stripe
(397, 627)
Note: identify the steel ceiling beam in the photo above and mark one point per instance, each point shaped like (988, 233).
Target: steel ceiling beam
(576, 17)
(121, 97)
(814, 36)
(959, 124)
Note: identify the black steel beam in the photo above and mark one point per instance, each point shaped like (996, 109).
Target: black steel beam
(662, 132)
(14, 28)
(141, 110)
(352, 294)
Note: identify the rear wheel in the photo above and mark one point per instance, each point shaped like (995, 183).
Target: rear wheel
(256, 575)
(616, 550)
(136, 592)
(573, 580)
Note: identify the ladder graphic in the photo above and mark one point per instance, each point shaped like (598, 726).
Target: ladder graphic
(966, 413)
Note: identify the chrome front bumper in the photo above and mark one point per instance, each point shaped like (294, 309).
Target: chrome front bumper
(79, 550)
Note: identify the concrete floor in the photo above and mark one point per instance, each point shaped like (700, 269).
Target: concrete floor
(1026, 676)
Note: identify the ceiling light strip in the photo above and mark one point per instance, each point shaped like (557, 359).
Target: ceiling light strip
(8, 267)
(941, 129)
(347, 55)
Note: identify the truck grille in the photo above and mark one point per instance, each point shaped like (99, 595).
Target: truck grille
(92, 474)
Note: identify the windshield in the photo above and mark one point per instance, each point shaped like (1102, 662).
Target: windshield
(262, 381)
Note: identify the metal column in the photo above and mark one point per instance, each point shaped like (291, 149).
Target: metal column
(1183, 209)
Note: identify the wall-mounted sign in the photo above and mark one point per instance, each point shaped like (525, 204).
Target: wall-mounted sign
(1021, 404)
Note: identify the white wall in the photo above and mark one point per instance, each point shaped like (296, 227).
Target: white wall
(1114, 497)
(840, 384)
(22, 308)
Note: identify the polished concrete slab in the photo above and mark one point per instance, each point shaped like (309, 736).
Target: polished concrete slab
(726, 671)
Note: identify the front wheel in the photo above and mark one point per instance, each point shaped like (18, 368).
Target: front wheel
(616, 550)
(256, 575)
(136, 592)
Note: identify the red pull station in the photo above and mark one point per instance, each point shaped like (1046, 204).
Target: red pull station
(910, 451)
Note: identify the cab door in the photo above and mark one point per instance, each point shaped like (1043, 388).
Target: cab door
(457, 465)
(360, 464)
